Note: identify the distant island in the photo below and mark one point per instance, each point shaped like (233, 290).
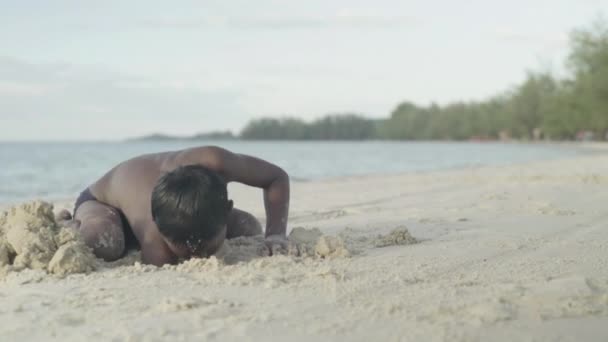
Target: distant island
(218, 135)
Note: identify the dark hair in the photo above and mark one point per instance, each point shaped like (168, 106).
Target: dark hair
(190, 204)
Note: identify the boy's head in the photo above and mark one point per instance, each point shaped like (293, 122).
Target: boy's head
(190, 206)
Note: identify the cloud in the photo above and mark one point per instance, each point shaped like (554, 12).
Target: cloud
(342, 19)
(548, 40)
(21, 89)
(40, 94)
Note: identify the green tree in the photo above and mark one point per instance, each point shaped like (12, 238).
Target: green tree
(560, 108)
(589, 64)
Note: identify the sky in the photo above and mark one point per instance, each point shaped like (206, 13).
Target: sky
(107, 70)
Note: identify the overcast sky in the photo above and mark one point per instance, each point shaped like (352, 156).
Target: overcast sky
(73, 70)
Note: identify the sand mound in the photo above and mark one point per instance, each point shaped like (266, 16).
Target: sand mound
(331, 247)
(312, 243)
(242, 249)
(303, 242)
(399, 236)
(31, 238)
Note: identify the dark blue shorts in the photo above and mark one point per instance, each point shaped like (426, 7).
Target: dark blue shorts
(130, 239)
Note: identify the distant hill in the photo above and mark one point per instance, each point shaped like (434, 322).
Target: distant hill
(219, 135)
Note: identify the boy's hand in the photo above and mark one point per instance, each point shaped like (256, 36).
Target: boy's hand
(277, 244)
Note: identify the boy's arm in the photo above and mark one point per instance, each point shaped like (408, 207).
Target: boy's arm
(154, 250)
(157, 256)
(254, 172)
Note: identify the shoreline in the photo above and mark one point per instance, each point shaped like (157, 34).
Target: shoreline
(591, 148)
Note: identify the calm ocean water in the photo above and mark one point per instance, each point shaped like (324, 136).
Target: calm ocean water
(61, 170)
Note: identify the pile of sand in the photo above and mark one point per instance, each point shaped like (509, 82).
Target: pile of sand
(312, 243)
(303, 242)
(306, 243)
(397, 237)
(31, 238)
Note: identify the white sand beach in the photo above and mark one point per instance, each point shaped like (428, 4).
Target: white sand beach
(509, 253)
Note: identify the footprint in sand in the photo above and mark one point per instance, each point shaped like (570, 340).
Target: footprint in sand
(207, 307)
(550, 209)
(331, 214)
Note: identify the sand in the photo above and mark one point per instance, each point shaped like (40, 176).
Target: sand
(491, 254)
(30, 238)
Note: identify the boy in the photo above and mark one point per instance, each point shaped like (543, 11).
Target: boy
(175, 205)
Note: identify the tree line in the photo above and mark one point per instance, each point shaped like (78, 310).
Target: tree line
(541, 107)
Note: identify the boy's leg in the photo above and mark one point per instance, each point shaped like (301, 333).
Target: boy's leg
(102, 229)
(242, 223)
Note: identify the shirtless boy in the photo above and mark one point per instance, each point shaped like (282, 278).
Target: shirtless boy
(175, 205)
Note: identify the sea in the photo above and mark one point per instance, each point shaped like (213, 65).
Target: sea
(60, 170)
